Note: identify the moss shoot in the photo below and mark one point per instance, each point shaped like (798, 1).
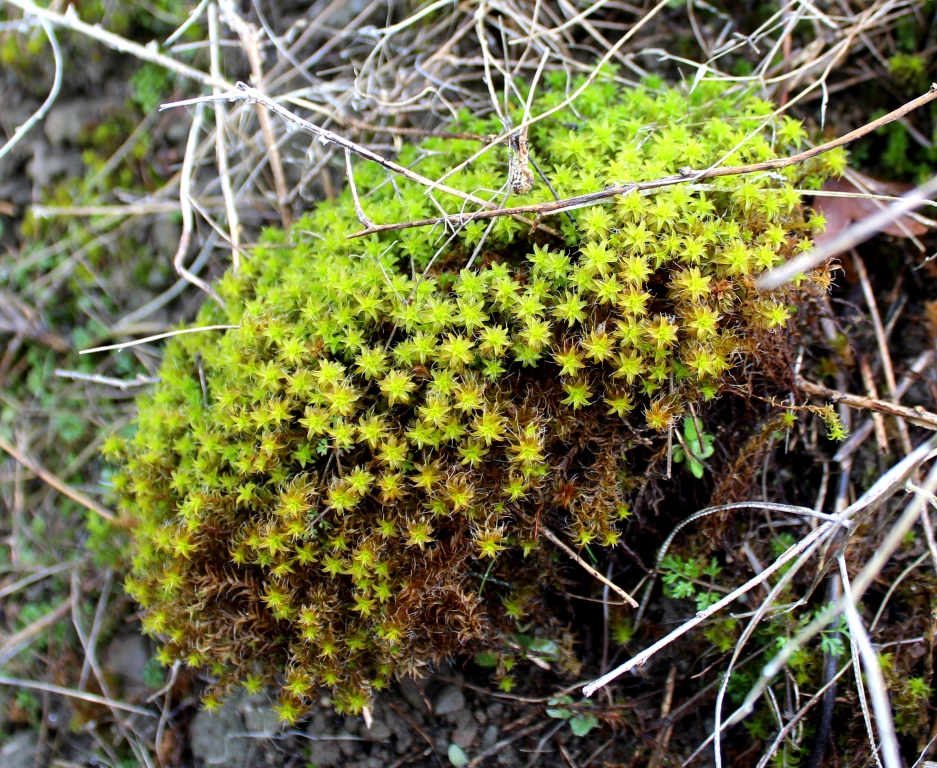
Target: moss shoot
(354, 481)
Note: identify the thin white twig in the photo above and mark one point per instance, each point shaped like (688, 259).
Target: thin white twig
(73, 694)
(157, 337)
(782, 734)
(244, 92)
(250, 43)
(71, 20)
(884, 354)
(862, 648)
(756, 618)
(870, 501)
(107, 381)
(569, 551)
(359, 211)
(40, 113)
(194, 16)
(766, 505)
(894, 586)
(221, 150)
(873, 499)
(40, 575)
(188, 219)
(610, 54)
(850, 238)
(701, 616)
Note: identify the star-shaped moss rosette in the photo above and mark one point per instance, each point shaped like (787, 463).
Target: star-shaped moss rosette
(360, 488)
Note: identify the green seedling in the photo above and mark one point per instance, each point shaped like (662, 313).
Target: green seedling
(581, 721)
(699, 447)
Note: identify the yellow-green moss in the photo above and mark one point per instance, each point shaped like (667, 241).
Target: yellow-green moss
(318, 494)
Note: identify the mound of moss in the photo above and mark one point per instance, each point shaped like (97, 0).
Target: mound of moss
(354, 481)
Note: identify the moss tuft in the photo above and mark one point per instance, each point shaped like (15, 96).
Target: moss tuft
(359, 486)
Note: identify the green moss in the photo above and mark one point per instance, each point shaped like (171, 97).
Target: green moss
(909, 695)
(376, 437)
(910, 71)
(149, 86)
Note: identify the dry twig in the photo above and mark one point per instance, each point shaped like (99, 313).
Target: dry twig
(916, 415)
(688, 175)
(63, 488)
(588, 568)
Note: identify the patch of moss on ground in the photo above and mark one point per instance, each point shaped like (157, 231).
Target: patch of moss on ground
(315, 493)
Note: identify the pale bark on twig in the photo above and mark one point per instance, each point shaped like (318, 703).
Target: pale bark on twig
(221, 146)
(588, 568)
(885, 355)
(71, 20)
(250, 42)
(850, 238)
(686, 175)
(916, 415)
(872, 500)
(246, 93)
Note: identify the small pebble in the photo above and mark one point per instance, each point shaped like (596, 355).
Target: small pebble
(449, 699)
(465, 736)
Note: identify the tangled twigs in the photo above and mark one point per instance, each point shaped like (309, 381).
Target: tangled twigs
(251, 95)
(40, 113)
(686, 175)
(71, 20)
(250, 42)
(188, 219)
(916, 415)
(858, 233)
(359, 211)
(889, 484)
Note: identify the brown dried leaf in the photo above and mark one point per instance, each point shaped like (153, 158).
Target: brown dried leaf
(840, 212)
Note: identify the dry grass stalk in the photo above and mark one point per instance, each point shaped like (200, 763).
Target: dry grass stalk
(588, 568)
(872, 500)
(63, 488)
(856, 234)
(69, 693)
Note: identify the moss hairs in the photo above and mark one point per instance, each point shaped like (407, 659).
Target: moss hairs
(354, 481)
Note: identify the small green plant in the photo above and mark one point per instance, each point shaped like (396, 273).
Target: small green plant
(831, 638)
(699, 447)
(682, 578)
(154, 674)
(580, 719)
(623, 631)
(539, 647)
(910, 695)
(835, 428)
(150, 85)
(457, 756)
(28, 703)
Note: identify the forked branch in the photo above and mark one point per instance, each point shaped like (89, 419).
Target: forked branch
(686, 175)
